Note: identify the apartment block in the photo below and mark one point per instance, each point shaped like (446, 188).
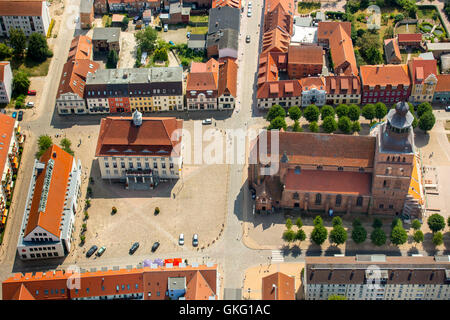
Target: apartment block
(6, 78)
(423, 75)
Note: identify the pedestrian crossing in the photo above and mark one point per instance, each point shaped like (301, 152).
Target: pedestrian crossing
(277, 256)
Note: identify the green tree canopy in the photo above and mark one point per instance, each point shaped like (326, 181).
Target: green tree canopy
(314, 127)
(296, 127)
(17, 41)
(160, 54)
(416, 225)
(329, 125)
(326, 111)
(5, 51)
(319, 234)
(380, 110)
(359, 234)
(295, 113)
(398, 235)
(311, 113)
(388, 33)
(396, 222)
(377, 223)
(448, 221)
(344, 124)
(288, 223)
(336, 221)
(44, 142)
(146, 39)
(277, 123)
(318, 221)
(438, 238)
(422, 108)
(354, 112)
(338, 235)
(378, 237)
(342, 110)
(289, 235)
(275, 111)
(37, 47)
(356, 222)
(21, 83)
(436, 222)
(368, 112)
(356, 126)
(427, 121)
(418, 236)
(66, 144)
(300, 235)
(112, 59)
(299, 223)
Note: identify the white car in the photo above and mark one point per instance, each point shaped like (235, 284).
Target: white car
(207, 121)
(181, 239)
(249, 12)
(249, 4)
(195, 240)
(30, 104)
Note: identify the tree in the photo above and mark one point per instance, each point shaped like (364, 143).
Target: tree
(344, 124)
(370, 46)
(396, 222)
(342, 110)
(318, 221)
(275, 111)
(338, 235)
(374, 56)
(359, 234)
(336, 221)
(378, 237)
(113, 58)
(319, 234)
(329, 125)
(427, 121)
(21, 83)
(438, 238)
(380, 110)
(423, 108)
(44, 142)
(311, 113)
(416, 224)
(295, 113)
(300, 235)
(5, 51)
(377, 223)
(314, 127)
(299, 223)
(337, 297)
(388, 33)
(277, 123)
(157, 211)
(436, 222)
(125, 22)
(161, 54)
(146, 39)
(354, 112)
(398, 235)
(356, 126)
(356, 223)
(296, 127)
(17, 41)
(37, 48)
(418, 236)
(288, 223)
(368, 112)
(326, 111)
(289, 235)
(448, 221)
(65, 143)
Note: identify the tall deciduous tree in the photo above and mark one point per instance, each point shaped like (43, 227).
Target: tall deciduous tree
(295, 113)
(398, 235)
(319, 234)
(326, 111)
(378, 237)
(275, 111)
(329, 125)
(436, 222)
(418, 236)
(342, 110)
(37, 48)
(146, 39)
(344, 124)
(21, 83)
(438, 238)
(359, 234)
(17, 41)
(422, 108)
(380, 110)
(354, 112)
(338, 235)
(277, 124)
(427, 121)
(311, 113)
(368, 112)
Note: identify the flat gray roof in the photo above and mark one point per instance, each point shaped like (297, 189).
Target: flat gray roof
(109, 34)
(136, 75)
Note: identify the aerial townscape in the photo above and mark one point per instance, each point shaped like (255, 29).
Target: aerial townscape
(225, 150)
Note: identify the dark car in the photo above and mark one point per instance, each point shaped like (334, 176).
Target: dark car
(155, 246)
(91, 251)
(20, 117)
(253, 191)
(447, 108)
(134, 247)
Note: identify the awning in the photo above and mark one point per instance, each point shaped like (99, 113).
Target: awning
(3, 220)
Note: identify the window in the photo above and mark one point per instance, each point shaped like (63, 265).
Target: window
(338, 200)
(340, 168)
(295, 196)
(359, 201)
(318, 198)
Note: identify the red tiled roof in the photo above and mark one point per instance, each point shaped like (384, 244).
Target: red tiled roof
(228, 78)
(154, 137)
(21, 8)
(383, 75)
(276, 40)
(409, 37)
(198, 288)
(313, 82)
(229, 3)
(6, 134)
(443, 84)
(203, 76)
(73, 77)
(392, 50)
(342, 84)
(278, 18)
(287, 5)
(50, 218)
(342, 182)
(268, 69)
(80, 48)
(278, 89)
(420, 69)
(305, 55)
(284, 287)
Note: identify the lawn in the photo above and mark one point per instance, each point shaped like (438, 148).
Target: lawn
(405, 56)
(308, 7)
(402, 29)
(195, 19)
(197, 30)
(427, 13)
(33, 69)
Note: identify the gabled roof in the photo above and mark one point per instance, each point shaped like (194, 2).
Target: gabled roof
(287, 5)
(50, 217)
(22, 293)
(278, 286)
(268, 68)
(21, 8)
(276, 40)
(305, 55)
(313, 82)
(343, 84)
(80, 48)
(409, 37)
(228, 78)
(420, 69)
(392, 51)
(198, 288)
(119, 136)
(342, 51)
(223, 18)
(443, 84)
(383, 75)
(278, 89)
(278, 18)
(6, 133)
(229, 3)
(74, 74)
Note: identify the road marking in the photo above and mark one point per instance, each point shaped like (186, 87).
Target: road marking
(277, 256)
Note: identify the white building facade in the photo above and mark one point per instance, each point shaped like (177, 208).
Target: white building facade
(6, 82)
(29, 16)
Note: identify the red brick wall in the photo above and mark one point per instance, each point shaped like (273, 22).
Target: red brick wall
(116, 104)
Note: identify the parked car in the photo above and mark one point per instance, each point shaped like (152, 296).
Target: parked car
(134, 247)
(249, 12)
(247, 39)
(181, 239)
(188, 35)
(101, 251)
(447, 108)
(20, 117)
(249, 4)
(14, 114)
(31, 92)
(195, 240)
(91, 251)
(155, 246)
(171, 43)
(135, 19)
(166, 27)
(207, 121)
(253, 191)
(30, 104)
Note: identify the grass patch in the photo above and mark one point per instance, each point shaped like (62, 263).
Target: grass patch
(405, 56)
(195, 19)
(197, 30)
(427, 13)
(447, 125)
(32, 68)
(402, 29)
(308, 7)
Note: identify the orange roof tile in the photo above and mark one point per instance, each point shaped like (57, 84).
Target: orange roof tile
(198, 288)
(278, 286)
(3, 65)
(278, 89)
(22, 293)
(50, 218)
(342, 84)
(383, 75)
(313, 82)
(6, 134)
(443, 84)
(74, 74)
(420, 69)
(276, 40)
(409, 37)
(278, 18)
(21, 8)
(287, 5)
(228, 78)
(80, 48)
(229, 3)
(305, 55)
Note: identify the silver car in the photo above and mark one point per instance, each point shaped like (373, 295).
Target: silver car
(181, 239)
(195, 240)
